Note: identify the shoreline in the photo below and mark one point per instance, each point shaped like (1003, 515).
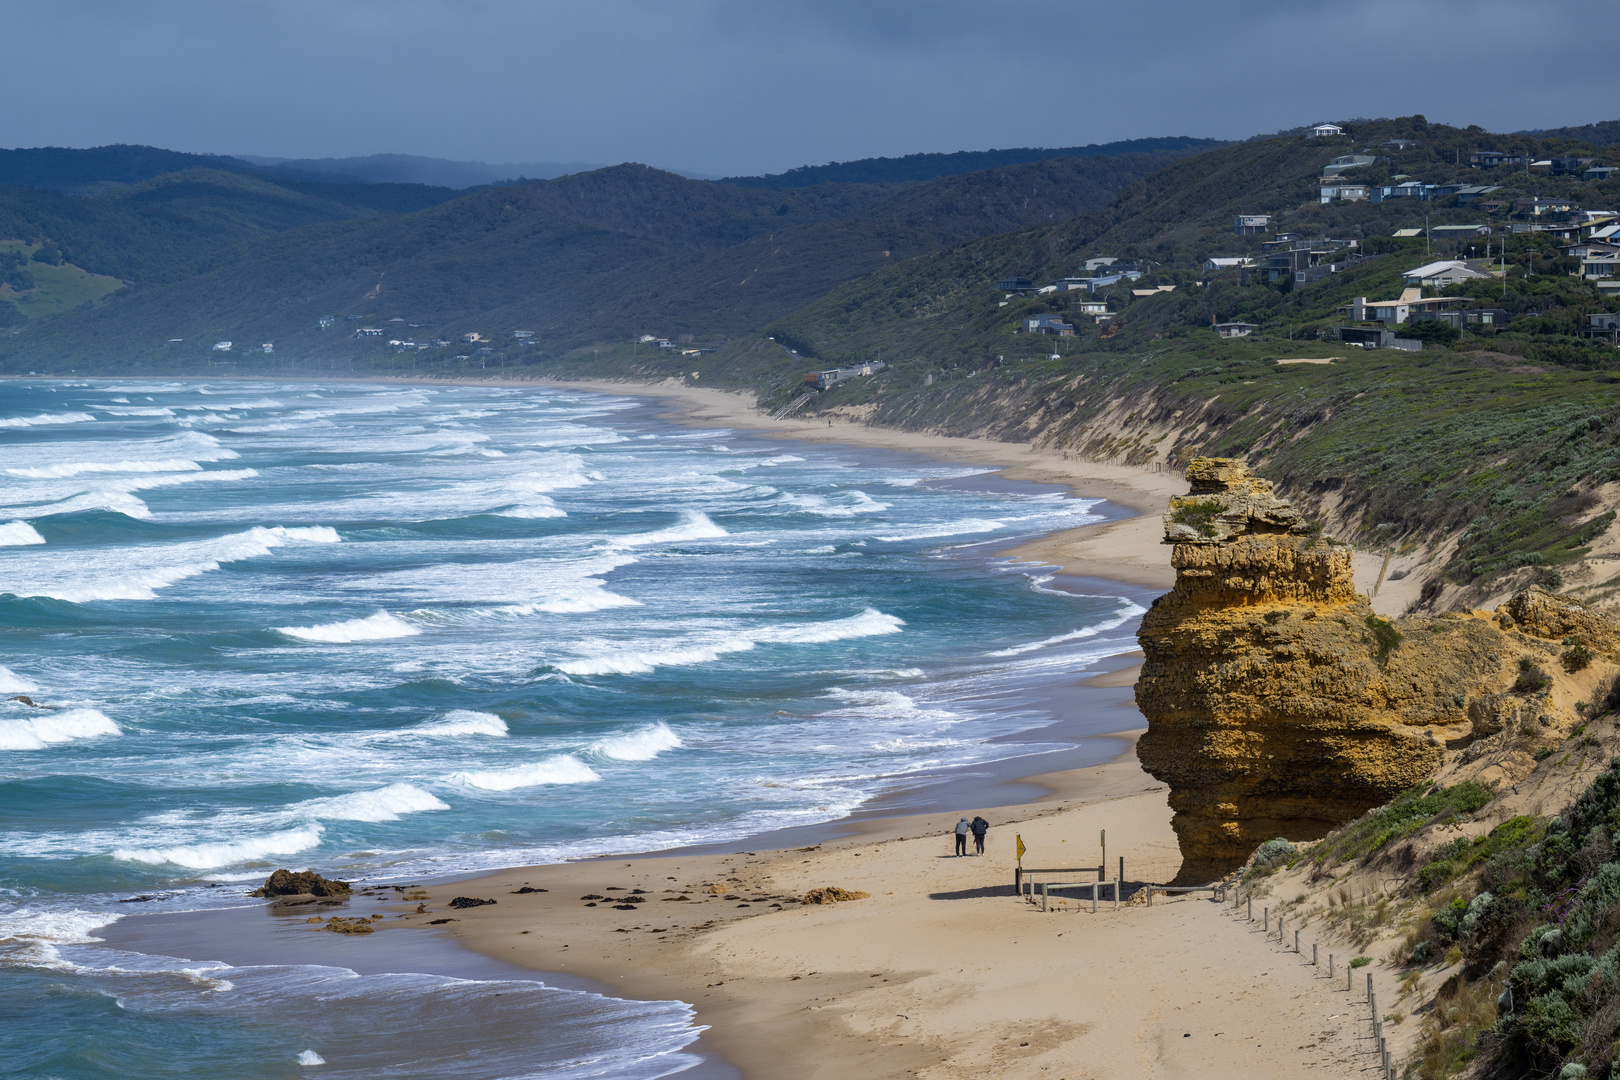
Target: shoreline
(778, 1033)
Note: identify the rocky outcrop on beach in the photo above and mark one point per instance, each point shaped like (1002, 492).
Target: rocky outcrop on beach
(1279, 705)
(303, 883)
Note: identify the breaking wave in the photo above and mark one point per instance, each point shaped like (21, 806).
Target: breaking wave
(559, 769)
(378, 627)
(210, 856)
(19, 534)
(643, 744)
(37, 733)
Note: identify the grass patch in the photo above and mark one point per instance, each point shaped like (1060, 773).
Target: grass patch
(1409, 812)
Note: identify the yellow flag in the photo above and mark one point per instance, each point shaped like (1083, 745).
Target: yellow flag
(1020, 845)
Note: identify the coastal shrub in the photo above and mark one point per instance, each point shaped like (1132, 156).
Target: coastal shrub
(1531, 677)
(1275, 851)
(1410, 811)
(1199, 515)
(1361, 961)
(1385, 637)
(1543, 753)
(1578, 656)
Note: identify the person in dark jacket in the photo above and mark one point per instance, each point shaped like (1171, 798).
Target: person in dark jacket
(979, 827)
(962, 828)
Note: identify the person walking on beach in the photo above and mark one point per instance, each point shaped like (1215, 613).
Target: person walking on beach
(962, 828)
(980, 827)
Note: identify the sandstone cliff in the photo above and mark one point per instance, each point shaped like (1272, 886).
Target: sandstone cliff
(1278, 704)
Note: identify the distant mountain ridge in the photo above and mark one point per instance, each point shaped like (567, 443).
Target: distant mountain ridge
(411, 169)
(918, 167)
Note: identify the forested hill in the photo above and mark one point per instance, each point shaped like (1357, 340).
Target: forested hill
(916, 167)
(595, 256)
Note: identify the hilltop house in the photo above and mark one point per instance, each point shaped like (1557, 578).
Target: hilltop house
(1347, 161)
(1536, 206)
(1439, 274)
(1251, 224)
(1490, 159)
(1228, 263)
(1049, 324)
(1459, 232)
(1322, 131)
(1345, 192)
(1016, 285)
(1601, 265)
(1235, 329)
(1400, 310)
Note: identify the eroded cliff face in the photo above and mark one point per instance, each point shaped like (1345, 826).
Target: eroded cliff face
(1279, 705)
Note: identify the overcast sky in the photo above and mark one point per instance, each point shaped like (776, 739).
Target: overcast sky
(747, 86)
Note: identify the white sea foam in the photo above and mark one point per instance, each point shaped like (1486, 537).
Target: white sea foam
(12, 683)
(641, 661)
(77, 468)
(637, 661)
(75, 927)
(39, 732)
(558, 769)
(46, 498)
(208, 856)
(590, 596)
(309, 1057)
(951, 528)
(19, 534)
(1126, 613)
(378, 627)
(46, 419)
(462, 722)
(643, 744)
(852, 504)
(378, 804)
(183, 452)
(869, 623)
(695, 525)
(136, 573)
(138, 411)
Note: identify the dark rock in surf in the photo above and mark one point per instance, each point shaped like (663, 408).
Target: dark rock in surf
(304, 883)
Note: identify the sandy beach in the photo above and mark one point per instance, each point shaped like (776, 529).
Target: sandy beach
(942, 971)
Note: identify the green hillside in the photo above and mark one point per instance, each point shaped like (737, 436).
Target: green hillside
(577, 260)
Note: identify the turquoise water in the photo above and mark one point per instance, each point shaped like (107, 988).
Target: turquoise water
(389, 631)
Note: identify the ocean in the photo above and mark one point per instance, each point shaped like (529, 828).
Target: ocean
(389, 632)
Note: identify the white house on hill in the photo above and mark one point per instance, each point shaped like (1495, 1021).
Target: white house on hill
(1439, 274)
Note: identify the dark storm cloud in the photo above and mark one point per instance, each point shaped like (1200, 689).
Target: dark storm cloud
(729, 86)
